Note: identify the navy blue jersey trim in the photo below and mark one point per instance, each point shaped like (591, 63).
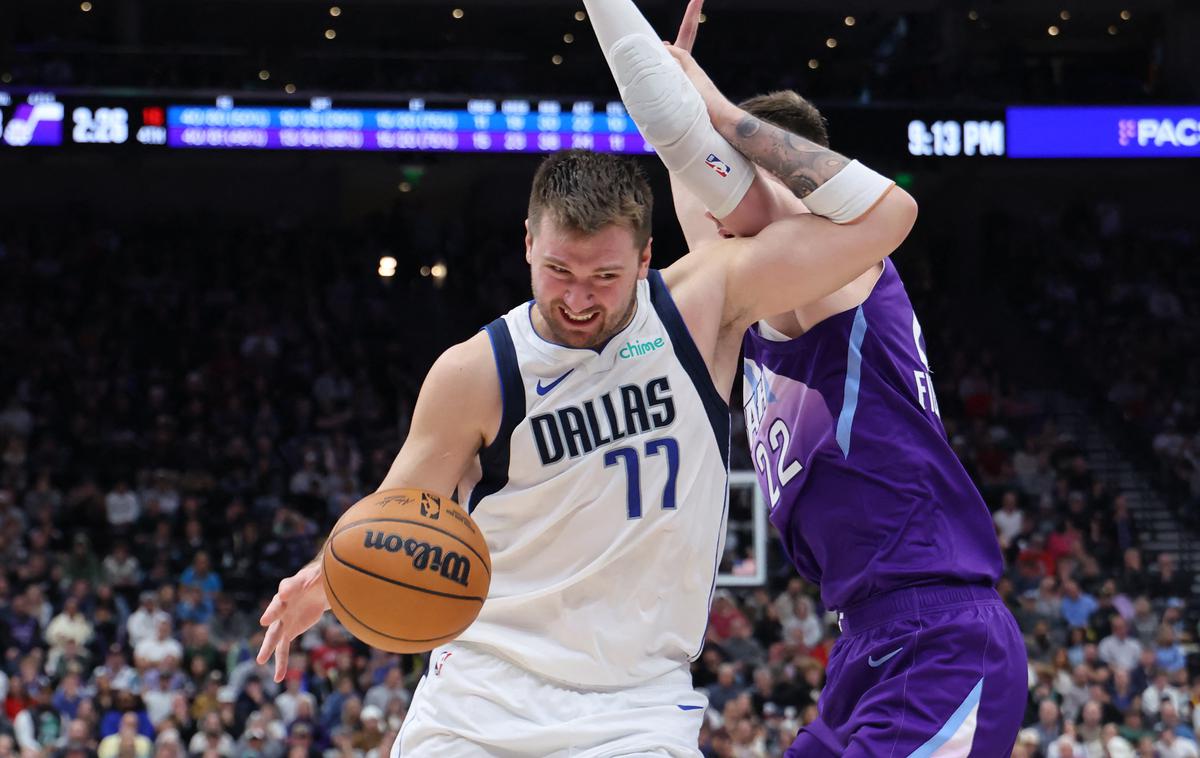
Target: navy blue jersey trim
(689, 355)
(494, 458)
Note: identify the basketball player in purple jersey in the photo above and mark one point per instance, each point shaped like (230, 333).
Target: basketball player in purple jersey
(868, 497)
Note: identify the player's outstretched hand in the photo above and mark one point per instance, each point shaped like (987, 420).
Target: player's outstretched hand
(720, 109)
(298, 605)
(686, 39)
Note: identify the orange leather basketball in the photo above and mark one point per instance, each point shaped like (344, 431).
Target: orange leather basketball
(406, 570)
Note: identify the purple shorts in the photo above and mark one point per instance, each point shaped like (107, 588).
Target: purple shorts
(924, 672)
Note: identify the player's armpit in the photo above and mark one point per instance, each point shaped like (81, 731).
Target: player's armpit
(457, 412)
(801, 259)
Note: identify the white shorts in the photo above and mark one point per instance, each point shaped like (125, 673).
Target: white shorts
(472, 704)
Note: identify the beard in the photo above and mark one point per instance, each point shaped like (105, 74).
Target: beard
(563, 334)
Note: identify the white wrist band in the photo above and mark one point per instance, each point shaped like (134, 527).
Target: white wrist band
(849, 194)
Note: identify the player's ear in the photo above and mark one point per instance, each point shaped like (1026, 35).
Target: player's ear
(644, 259)
(528, 243)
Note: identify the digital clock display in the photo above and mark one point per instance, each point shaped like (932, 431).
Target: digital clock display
(952, 138)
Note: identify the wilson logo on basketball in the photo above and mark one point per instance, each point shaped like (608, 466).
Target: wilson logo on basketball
(425, 557)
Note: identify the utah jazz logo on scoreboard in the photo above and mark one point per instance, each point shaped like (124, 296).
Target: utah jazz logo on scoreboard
(38, 121)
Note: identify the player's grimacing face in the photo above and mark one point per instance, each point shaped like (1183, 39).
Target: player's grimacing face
(584, 286)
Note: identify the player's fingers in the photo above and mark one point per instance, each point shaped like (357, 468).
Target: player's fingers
(274, 611)
(281, 659)
(268, 643)
(690, 26)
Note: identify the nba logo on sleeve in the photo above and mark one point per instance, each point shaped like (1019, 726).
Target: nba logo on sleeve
(718, 165)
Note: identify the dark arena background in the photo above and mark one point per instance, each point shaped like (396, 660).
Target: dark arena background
(235, 235)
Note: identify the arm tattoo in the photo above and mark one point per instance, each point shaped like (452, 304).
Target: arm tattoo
(802, 165)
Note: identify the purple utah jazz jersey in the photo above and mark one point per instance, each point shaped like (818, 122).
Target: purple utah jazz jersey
(853, 459)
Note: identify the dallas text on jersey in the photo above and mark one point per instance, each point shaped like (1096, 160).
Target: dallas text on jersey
(576, 430)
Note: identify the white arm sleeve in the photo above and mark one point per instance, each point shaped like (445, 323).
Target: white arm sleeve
(667, 108)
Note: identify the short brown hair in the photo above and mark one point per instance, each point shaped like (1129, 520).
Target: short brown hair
(586, 192)
(790, 112)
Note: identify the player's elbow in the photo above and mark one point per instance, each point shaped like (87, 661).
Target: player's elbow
(896, 215)
(905, 210)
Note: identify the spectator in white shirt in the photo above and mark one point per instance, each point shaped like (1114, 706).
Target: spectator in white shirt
(143, 623)
(1118, 649)
(152, 652)
(804, 626)
(211, 737)
(1009, 519)
(121, 569)
(122, 506)
(1158, 691)
(69, 625)
(1170, 745)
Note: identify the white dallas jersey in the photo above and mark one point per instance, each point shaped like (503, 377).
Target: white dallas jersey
(602, 500)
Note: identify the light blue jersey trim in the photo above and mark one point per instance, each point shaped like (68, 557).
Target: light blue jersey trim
(947, 731)
(853, 380)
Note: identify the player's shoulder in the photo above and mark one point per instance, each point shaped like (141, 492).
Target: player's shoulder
(469, 353)
(466, 371)
(463, 386)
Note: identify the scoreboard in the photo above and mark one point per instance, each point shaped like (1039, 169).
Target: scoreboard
(42, 119)
(448, 125)
(507, 126)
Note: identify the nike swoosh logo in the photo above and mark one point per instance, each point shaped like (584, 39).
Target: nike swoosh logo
(873, 663)
(544, 390)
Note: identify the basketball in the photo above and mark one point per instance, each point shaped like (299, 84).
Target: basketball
(406, 570)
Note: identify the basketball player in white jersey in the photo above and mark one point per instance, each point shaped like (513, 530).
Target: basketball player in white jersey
(598, 415)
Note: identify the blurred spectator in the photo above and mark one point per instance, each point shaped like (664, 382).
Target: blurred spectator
(201, 576)
(1119, 650)
(122, 570)
(163, 647)
(1010, 520)
(392, 687)
(1161, 691)
(1049, 726)
(127, 742)
(1168, 581)
(1169, 655)
(122, 507)
(68, 626)
(741, 646)
(725, 689)
(1077, 606)
(143, 623)
(211, 737)
(38, 725)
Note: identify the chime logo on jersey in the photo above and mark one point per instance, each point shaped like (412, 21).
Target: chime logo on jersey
(636, 349)
(576, 430)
